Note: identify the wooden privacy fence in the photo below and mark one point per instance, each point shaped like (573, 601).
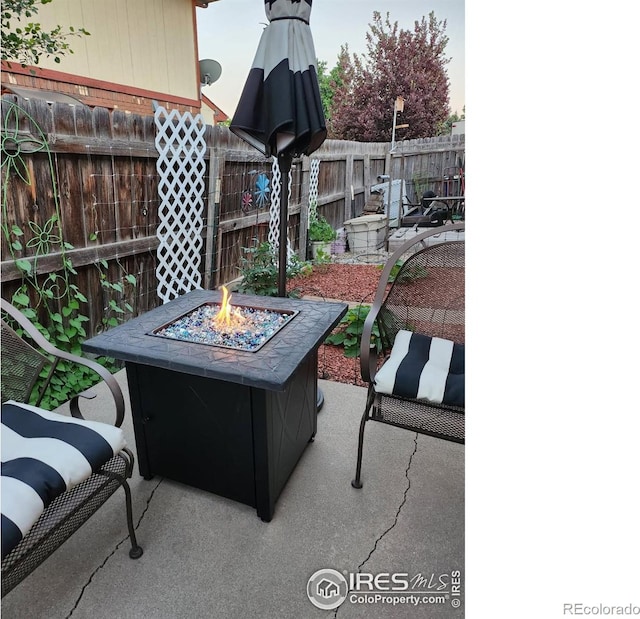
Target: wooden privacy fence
(94, 172)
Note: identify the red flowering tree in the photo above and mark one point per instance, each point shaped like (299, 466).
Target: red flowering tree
(398, 63)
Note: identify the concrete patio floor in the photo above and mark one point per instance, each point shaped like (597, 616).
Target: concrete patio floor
(206, 556)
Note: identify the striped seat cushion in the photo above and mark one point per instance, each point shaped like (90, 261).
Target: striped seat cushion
(43, 455)
(423, 368)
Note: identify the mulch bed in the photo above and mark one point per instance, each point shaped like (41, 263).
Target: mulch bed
(354, 283)
(333, 365)
(348, 282)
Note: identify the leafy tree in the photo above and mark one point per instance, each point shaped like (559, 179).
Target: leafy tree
(405, 63)
(27, 42)
(326, 93)
(329, 82)
(338, 83)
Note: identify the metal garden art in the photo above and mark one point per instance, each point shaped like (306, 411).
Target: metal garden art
(54, 294)
(258, 197)
(262, 191)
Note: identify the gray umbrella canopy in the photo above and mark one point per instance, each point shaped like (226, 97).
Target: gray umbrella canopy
(280, 110)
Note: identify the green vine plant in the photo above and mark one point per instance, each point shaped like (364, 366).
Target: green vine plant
(114, 313)
(53, 303)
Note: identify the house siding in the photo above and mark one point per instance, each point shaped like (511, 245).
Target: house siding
(143, 49)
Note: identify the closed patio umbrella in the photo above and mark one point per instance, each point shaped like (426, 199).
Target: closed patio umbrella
(280, 110)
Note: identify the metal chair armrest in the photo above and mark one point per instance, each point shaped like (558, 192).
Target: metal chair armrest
(50, 349)
(368, 355)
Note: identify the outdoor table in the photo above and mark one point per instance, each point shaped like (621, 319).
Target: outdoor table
(231, 422)
(454, 204)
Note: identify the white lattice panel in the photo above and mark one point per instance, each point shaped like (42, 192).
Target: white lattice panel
(314, 173)
(274, 209)
(181, 147)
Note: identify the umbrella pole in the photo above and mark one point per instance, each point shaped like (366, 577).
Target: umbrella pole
(284, 162)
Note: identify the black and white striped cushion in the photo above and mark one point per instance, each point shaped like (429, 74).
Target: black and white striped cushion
(423, 368)
(43, 455)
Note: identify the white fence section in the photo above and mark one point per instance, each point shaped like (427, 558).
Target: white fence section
(314, 172)
(181, 166)
(274, 209)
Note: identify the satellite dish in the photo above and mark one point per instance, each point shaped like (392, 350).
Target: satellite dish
(210, 71)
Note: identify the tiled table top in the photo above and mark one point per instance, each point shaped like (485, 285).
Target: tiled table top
(270, 367)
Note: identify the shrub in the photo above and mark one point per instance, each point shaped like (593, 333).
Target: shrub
(260, 270)
(320, 230)
(349, 332)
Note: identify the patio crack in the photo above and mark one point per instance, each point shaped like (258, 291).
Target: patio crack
(122, 541)
(395, 520)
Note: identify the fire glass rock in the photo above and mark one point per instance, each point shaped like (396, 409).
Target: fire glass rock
(200, 326)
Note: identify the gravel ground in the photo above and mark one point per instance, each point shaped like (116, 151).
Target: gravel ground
(348, 282)
(333, 365)
(355, 283)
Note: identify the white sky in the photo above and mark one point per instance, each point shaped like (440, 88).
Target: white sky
(229, 31)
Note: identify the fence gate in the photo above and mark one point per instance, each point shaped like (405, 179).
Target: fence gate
(181, 147)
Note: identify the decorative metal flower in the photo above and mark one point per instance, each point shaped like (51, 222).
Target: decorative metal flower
(16, 143)
(262, 191)
(43, 237)
(247, 201)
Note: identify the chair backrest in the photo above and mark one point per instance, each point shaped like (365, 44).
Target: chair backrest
(427, 295)
(21, 366)
(25, 353)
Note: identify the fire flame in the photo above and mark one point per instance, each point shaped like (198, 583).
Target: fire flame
(228, 316)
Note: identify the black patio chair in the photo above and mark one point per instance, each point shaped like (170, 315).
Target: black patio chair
(417, 381)
(26, 355)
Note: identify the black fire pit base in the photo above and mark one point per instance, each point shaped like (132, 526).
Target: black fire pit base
(235, 441)
(227, 421)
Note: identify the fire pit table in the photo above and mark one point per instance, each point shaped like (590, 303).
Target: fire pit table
(232, 422)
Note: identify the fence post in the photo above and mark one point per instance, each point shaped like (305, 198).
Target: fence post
(348, 184)
(304, 208)
(217, 232)
(213, 214)
(367, 177)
